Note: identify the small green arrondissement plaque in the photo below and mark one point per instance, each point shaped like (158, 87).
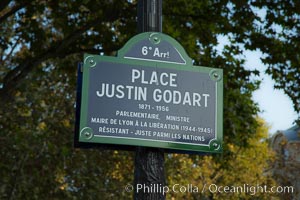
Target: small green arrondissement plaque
(151, 95)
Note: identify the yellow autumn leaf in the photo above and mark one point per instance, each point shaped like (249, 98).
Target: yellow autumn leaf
(42, 126)
(43, 104)
(25, 113)
(66, 123)
(18, 93)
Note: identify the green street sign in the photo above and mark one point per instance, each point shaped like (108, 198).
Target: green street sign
(151, 95)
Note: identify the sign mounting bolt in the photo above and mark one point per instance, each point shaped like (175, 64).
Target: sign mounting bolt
(87, 134)
(215, 75)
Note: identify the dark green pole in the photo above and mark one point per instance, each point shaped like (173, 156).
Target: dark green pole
(149, 174)
(149, 16)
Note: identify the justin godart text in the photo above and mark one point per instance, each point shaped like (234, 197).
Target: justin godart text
(163, 79)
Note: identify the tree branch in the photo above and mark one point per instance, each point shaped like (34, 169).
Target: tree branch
(92, 50)
(15, 76)
(59, 49)
(13, 10)
(4, 3)
(2, 61)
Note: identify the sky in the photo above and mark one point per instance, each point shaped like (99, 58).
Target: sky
(277, 108)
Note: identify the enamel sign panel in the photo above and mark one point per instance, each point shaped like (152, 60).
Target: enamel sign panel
(151, 95)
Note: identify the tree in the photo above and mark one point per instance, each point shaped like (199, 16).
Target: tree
(247, 168)
(278, 38)
(40, 45)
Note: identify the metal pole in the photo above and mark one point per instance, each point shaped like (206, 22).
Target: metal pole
(149, 16)
(149, 174)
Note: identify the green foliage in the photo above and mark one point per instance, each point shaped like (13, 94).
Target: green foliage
(278, 39)
(246, 166)
(41, 43)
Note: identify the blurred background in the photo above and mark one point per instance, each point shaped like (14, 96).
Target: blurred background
(256, 43)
